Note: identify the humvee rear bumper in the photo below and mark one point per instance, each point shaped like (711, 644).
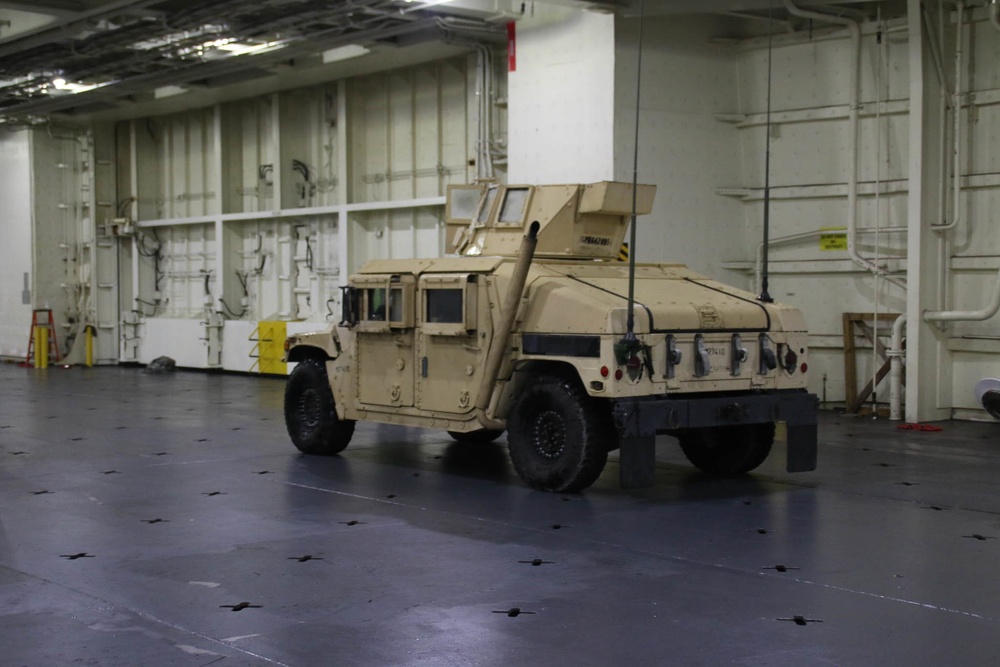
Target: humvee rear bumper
(639, 420)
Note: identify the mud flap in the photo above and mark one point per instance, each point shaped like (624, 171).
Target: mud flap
(802, 448)
(637, 466)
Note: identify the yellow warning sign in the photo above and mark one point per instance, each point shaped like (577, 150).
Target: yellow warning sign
(833, 238)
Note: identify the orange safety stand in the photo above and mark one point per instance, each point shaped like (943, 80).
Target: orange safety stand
(46, 321)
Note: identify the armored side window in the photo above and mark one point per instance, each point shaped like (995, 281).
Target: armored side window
(487, 206)
(462, 203)
(444, 306)
(375, 304)
(512, 209)
(449, 304)
(395, 304)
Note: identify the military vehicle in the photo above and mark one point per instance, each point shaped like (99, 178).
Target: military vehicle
(523, 329)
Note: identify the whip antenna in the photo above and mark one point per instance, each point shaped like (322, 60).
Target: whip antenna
(630, 321)
(764, 296)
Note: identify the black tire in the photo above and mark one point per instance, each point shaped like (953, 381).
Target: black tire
(310, 415)
(483, 436)
(558, 436)
(728, 450)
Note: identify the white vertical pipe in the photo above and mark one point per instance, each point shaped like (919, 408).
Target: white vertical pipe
(896, 355)
(957, 95)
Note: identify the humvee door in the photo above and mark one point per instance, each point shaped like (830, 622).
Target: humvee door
(449, 355)
(384, 340)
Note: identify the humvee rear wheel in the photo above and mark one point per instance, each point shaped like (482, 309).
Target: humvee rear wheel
(728, 450)
(310, 415)
(483, 436)
(558, 435)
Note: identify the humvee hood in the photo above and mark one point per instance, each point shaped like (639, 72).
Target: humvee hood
(669, 299)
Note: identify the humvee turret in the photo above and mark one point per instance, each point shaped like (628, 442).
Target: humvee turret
(522, 329)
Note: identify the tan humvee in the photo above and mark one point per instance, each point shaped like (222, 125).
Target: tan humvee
(523, 330)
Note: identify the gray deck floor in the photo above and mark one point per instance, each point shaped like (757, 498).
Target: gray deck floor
(185, 495)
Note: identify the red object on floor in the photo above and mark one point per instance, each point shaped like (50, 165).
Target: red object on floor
(42, 317)
(919, 427)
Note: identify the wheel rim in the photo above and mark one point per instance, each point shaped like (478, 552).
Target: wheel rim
(309, 408)
(548, 435)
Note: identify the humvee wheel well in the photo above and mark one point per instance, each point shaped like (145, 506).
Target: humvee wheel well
(303, 352)
(562, 369)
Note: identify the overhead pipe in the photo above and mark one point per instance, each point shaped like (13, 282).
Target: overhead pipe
(853, 131)
(984, 313)
(501, 341)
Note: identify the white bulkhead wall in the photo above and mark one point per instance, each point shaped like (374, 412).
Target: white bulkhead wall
(562, 97)
(810, 166)
(683, 149)
(15, 250)
(259, 209)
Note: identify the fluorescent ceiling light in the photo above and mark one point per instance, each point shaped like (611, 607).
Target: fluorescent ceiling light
(237, 49)
(345, 52)
(168, 91)
(61, 86)
(424, 4)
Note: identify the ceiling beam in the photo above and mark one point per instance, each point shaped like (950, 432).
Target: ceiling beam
(60, 8)
(68, 26)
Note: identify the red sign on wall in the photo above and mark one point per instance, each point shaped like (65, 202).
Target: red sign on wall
(511, 47)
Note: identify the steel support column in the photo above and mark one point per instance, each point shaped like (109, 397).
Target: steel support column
(928, 368)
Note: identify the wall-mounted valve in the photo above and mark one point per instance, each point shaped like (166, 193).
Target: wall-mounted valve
(674, 355)
(738, 355)
(702, 365)
(768, 359)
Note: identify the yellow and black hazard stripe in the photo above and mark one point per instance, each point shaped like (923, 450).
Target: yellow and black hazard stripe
(623, 253)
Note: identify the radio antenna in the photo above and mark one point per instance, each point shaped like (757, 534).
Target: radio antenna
(764, 295)
(630, 338)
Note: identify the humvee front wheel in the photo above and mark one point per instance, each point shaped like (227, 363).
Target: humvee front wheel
(483, 436)
(310, 415)
(728, 450)
(558, 435)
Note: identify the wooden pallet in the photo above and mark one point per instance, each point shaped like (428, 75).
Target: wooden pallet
(864, 324)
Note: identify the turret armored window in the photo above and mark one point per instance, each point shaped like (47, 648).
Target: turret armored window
(515, 202)
(487, 206)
